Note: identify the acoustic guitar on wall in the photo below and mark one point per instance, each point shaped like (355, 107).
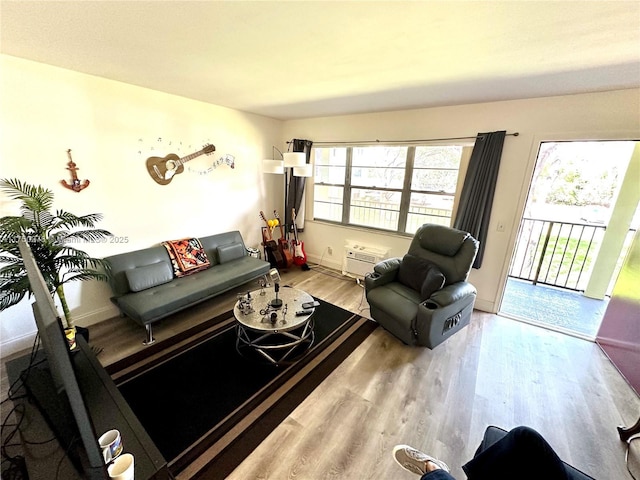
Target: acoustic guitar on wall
(163, 169)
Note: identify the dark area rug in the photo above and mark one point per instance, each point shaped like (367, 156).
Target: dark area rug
(208, 396)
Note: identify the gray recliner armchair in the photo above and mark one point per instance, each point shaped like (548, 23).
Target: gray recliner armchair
(424, 297)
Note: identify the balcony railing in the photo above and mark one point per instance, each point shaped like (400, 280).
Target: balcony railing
(556, 253)
(381, 214)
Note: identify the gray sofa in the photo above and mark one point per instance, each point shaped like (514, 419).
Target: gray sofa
(146, 290)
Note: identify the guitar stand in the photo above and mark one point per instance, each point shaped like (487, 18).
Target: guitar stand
(264, 242)
(267, 256)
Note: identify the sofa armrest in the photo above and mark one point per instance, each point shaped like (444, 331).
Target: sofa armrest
(384, 272)
(450, 294)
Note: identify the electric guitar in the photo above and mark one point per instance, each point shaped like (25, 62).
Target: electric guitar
(283, 244)
(299, 256)
(163, 169)
(273, 254)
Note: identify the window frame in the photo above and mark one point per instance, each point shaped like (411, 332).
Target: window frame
(405, 191)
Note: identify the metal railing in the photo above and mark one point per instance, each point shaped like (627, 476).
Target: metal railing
(380, 214)
(556, 253)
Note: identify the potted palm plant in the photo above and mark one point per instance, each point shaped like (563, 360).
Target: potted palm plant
(53, 237)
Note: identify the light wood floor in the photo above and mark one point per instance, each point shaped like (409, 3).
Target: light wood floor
(496, 371)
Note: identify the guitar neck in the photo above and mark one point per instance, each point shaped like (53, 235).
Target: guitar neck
(275, 214)
(190, 157)
(295, 227)
(267, 235)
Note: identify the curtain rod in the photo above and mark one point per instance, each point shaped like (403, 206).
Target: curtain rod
(372, 142)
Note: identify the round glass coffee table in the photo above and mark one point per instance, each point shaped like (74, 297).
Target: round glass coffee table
(275, 334)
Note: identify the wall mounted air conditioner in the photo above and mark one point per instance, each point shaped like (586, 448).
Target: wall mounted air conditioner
(359, 259)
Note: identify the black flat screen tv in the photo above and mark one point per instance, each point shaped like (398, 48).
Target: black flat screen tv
(61, 396)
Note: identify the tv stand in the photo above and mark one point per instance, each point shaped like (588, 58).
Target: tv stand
(47, 418)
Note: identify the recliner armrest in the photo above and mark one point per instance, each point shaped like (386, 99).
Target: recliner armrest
(384, 272)
(450, 294)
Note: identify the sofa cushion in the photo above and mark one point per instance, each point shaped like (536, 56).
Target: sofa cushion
(123, 262)
(161, 301)
(229, 252)
(187, 256)
(421, 275)
(147, 276)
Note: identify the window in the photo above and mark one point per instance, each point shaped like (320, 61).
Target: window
(395, 188)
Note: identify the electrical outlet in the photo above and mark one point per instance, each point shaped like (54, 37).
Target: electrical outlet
(330, 250)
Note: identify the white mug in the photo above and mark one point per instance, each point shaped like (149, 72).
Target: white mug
(111, 445)
(122, 468)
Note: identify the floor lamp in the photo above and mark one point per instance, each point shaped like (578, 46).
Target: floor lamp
(293, 164)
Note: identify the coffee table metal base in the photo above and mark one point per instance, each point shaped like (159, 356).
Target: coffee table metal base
(275, 346)
(274, 333)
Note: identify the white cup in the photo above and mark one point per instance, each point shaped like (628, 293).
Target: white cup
(122, 468)
(111, 445)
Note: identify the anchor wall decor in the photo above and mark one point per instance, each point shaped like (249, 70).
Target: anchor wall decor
(75, 185)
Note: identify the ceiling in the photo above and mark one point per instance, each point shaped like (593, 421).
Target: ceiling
(299, 59)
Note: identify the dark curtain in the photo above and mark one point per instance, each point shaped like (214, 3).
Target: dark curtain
(296, 185)
(476, 199)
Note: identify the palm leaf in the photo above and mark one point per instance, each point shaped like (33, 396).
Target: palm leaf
(85, 275)
(88, 236)
(35, 198)
(11, 226)
(9, 298)
(10, 260)
(69, 220)
(14, 285)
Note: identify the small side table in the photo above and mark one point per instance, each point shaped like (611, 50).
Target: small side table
(275, 334)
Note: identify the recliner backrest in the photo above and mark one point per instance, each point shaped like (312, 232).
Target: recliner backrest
(451, 249)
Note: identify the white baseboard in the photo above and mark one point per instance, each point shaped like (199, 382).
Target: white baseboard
(326, 262)
(17, 344)
(96, 316)
(622, 344)
(484, 306)
(25, 341)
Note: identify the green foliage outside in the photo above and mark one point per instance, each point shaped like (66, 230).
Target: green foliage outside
(572, 258)
(579, 173)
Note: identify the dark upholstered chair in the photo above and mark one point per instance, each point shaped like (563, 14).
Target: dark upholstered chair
(424, 297)
(493, 434)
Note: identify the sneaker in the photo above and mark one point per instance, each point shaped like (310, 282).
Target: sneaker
(414, 460)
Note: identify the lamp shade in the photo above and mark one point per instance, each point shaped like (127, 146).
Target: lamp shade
(273, 166)
(294, 159)
(304, 171)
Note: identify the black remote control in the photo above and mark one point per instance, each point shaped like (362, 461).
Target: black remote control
(300, 313)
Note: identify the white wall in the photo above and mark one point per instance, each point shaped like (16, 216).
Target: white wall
(111, 129)
(605, 115)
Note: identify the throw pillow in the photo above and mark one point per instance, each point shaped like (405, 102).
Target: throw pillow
(229, 252)
(421, 275)
(187, 256)
(147, 276)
